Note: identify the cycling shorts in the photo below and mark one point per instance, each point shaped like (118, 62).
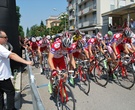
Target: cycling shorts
(76, 54)
(59, 62)
(43, 48)
(34, 47)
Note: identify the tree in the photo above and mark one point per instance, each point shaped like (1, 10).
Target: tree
(27, 32)
(20, 28)
(21, 32)
(42, 24)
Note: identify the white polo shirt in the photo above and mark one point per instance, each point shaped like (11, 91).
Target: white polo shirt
(5, 71)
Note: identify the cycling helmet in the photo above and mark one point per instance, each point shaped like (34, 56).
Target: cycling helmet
(99, 36)
(110, 33)
(88, 36)
(48, 37)
(77, 37)
(67, 34)
(79, 44)
(127, 32)
(33, 39)
(38, 38)
(66, 42)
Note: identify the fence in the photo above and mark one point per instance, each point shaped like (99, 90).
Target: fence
(37, 103)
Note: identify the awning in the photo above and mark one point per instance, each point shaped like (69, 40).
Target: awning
(121, 11)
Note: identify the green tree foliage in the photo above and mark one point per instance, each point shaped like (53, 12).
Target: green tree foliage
(41, 30)
(20, 28)
(27, 32)
(21, 32)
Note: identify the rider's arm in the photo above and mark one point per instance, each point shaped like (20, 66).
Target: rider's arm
(114, 48)
(90, 50)
(50, 61)
(72, 60)
(86, 53)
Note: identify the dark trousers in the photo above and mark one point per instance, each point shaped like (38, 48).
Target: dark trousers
(7, 87)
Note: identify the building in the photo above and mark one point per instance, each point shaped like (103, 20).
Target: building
(86, 14)
(118, 16)
(52, 21)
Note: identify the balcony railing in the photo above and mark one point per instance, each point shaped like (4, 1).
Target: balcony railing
(80, 25)
(71, 17)
(70, 7)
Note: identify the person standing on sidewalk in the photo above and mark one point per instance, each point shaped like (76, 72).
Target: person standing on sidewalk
(6, 85)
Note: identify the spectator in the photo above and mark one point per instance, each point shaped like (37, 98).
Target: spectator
(5, 73)
(110, 27)
(132, 23)
(115, 26)
(125, 24)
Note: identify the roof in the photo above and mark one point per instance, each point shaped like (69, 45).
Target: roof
(121, 11)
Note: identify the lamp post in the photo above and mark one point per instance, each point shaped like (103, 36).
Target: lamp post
(62, 17)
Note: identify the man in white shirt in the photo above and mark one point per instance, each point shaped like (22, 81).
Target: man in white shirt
(5, 73)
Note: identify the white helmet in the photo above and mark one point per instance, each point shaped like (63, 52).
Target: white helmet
(66, 42)
(48, 37)
(33, 39)
(38, 38)
(88, 36)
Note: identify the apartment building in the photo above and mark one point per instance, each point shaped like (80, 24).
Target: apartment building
(52, 21)
(86, 14)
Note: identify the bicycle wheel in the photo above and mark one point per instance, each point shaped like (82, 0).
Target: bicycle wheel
(36, 61)
(46, 69)
(101, 75)
(84, 81)
(126, 77)
(68, 102)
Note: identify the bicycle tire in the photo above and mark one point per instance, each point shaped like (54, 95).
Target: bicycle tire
(70, 104)
(84, 81)
(46, 69)
(127, 78)
(101, 78)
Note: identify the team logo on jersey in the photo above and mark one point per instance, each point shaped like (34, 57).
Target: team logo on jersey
(57, 45)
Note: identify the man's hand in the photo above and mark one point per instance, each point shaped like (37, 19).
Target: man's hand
(30, 63)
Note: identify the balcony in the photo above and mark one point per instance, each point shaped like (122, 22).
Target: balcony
(86, 23)
(93, 22)
(70, 7)
(80, 13)
(71, 17)
(87, 10)
(81, 1)
(80, 25)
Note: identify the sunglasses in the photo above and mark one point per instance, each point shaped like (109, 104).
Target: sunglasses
(4, 37)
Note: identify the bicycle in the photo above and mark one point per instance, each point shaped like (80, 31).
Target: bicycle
(82, 76)
(100, 71)
(34, 58)
(62, 92)
(119, 70)
(46, 68)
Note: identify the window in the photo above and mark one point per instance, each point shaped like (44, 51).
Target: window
(112, 7)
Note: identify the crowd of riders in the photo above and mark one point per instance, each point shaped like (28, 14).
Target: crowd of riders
(79, 45)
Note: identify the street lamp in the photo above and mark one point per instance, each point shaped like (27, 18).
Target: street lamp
(62, 17)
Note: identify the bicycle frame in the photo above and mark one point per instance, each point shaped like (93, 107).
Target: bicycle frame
(62, 89)
(119, 64)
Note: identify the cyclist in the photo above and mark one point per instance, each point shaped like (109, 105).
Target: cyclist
(56, 57)
(43, 45)
(108, 37)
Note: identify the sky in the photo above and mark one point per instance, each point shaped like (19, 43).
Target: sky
(34, 11)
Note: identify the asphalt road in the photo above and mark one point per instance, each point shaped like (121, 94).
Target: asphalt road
(113, 97)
